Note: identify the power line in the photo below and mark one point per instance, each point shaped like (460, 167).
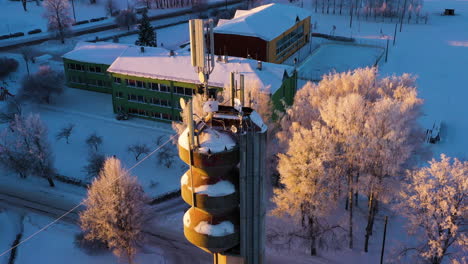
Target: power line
(82, 203)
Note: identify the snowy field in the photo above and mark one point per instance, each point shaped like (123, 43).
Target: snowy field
(57, 245)
(169, 38)
(338, 57)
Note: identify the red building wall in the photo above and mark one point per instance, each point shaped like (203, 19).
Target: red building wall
(240, 46)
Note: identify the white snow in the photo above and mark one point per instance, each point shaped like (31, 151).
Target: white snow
(99, 52)
(266, 22)
(156, 63)
(257, 119)
(187, 218)
(221, 188)
(184, 179)
(222, 229)
(210, 140)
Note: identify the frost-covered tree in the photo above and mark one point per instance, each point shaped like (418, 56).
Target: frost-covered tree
(138, 149)
(24, 148)
(146, 33)
(65, 132)
(93, 141)
(40, 86)
(307, 194)
(435, 201)
(373, 122)
(115, 210)
(126, 18)
(57, 13)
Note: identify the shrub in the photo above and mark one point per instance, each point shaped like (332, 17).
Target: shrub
(7, 66)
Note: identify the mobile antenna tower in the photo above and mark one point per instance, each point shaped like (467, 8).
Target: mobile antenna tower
(225, 182)
(202, 50)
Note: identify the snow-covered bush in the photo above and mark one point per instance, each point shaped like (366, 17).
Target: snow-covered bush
(41, 86)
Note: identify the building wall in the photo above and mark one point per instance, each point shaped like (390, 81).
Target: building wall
(296, 45)
(240, 46)
(150, 100)
(259, 49)
(84, 78)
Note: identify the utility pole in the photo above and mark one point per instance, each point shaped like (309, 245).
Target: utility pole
(386, 50)
(402, 15)
(383, 240)
(73, 7)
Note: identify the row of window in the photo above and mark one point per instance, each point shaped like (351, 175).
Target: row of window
(152, 114)
(93, 82)
(81, 67)
(155, 86)
(148, 100)
(289, 40)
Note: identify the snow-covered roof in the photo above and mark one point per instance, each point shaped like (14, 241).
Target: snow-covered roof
(266, 22)
(156, 63)
(99, 52)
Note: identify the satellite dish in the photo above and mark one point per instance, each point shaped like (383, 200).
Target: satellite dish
(202, 77)
(233, 129)
(182, 103)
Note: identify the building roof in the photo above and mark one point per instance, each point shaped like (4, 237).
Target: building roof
(156, 63)
(99, 52)
(266, 22)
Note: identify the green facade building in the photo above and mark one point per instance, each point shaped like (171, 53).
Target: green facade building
(149, 82)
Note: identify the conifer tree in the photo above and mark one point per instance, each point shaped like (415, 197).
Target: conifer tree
(146, 36)
(115, 210)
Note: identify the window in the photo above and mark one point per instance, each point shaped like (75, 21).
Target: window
(140, 84)
(79, 67)
(117, 80)
(92, 69)
(141, 98)
(154, 86)
(98, 69)
(179, 90)
(130, 82)
(164, 88)
(100, 83)
(71, 66)
(188, 91)
(119, 95)
(289, 41)
(132, 97)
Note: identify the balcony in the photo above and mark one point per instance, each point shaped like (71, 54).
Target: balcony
(212, 194)
(213, 234)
